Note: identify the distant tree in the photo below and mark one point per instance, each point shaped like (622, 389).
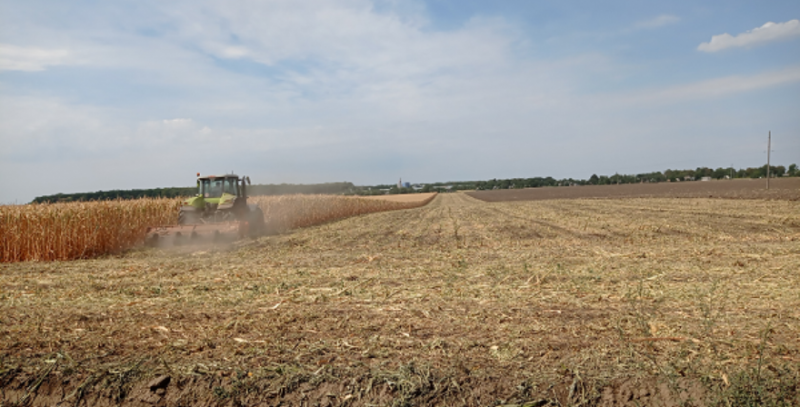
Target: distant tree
(703, 172)
(757, 172)
(793, 172)
(594, 179)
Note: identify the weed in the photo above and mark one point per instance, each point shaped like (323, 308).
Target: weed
(712, 306)
(408, 382)
(221, 393)
(763, 384)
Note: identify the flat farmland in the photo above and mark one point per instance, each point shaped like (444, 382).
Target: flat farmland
(402, 197)
(780, 188)
(616, 302)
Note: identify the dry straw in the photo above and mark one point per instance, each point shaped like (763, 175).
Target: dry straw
(297, 211)
(77, 230)
(66, 231)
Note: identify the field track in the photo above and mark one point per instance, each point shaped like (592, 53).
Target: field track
(780, 188)
(460, 302)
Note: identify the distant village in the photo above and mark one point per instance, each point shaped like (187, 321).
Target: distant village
(401, 187)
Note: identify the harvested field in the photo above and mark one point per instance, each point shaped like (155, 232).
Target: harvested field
(780, 188)
(422, 197)
(461, 302)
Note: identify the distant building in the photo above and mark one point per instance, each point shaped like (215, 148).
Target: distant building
(705, 179)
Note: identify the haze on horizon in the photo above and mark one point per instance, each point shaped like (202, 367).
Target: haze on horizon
(119, 95)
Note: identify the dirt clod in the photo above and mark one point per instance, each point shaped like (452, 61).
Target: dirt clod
(159, 383)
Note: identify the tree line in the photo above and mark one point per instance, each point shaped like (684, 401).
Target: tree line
(666, 176)
(180, 192)
(538, 182)
(347, 188)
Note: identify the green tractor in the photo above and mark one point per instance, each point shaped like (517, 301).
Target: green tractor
(219, 211)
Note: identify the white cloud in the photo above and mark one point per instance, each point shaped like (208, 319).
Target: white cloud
(13, 58)
(660, 21)
(757, 36)
(713, 88)
(309, 90)
(347, 37)
(178, 123)
(226, 51)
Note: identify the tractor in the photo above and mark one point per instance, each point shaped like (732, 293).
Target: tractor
(219, 211)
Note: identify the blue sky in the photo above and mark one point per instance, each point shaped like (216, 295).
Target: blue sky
(115, 95)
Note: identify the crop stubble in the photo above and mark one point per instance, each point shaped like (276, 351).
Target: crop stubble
(459, 302)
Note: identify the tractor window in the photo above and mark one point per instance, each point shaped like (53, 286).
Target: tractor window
(212, 188)
(230, 186)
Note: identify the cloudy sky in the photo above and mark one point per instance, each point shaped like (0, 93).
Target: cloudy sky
(98, 95)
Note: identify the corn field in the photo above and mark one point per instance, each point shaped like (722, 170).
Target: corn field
(297, 211)
(80, 230)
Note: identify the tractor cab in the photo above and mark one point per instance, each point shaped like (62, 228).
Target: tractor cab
(216, 187)
(219, 192)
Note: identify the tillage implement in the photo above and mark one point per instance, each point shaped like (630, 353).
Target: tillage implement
(219, 212)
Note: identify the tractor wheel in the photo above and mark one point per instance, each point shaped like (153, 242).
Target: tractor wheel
(256, 222)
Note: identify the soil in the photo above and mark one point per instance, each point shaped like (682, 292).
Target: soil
(613, 302)
(780, 188)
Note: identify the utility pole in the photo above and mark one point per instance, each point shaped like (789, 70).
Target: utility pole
(769, 146)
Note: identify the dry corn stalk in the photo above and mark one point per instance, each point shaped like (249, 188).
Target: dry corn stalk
(76, 230)
(297, 211)
(66, 231)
